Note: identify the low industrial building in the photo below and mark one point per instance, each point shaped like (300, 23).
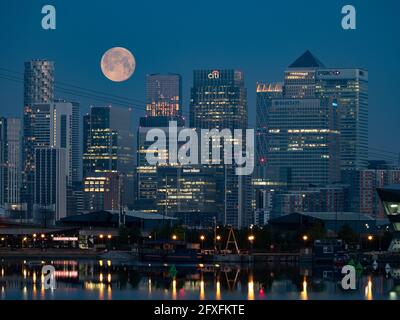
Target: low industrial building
(390, 197)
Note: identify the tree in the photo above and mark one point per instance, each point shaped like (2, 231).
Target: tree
(317, 231)
(347, 234)
(128, 235)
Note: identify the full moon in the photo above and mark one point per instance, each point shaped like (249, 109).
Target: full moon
(118, 64)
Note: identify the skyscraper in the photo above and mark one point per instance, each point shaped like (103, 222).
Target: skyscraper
(147, 173)
(308, 77)
(38, 82)
(163, 95)
(265, 92)
(189, 192)
(349, 87)
(86, 165)
(38, 88)
(50, 195)
(10, 163)
(109, 140)
(307, 81)
(108, 149)
(57, 125)
(163, 104)
(219, 101)
(303, 136)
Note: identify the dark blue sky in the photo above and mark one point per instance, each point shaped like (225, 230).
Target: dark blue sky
(259, 37)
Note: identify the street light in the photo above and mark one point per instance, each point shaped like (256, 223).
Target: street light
(305, 237)
(174, 237)
(101, 236)
(370, 238)
(109, 236)
(251, 238)
(202, 238)
(218, 239)
(24, 240)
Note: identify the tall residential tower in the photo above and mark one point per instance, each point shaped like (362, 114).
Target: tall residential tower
(38, 88)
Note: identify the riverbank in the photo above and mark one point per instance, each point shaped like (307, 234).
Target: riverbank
(49, 253)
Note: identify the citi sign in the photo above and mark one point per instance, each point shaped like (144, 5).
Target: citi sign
(214, 75)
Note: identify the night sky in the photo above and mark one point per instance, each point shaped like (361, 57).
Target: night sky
(259, 37)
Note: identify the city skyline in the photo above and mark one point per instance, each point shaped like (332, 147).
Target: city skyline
(311, 127)
(260, 62)
(193, 151)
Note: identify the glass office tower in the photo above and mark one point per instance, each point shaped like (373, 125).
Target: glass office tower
(108, 149)
(10, 163)
(163, 95)
(308, 77)
(219, 101)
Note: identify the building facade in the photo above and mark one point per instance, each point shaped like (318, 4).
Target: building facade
(108, 147)
(188, 193)
(163, 95)
(147, 173)
(308, 77)
(363, 185)
(303, 137)
(10, 163)
(38, 88)
(57, 125)
(50, 195)
(265, 93)
(219, 101)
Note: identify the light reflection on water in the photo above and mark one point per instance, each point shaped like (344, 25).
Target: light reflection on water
(106, 280)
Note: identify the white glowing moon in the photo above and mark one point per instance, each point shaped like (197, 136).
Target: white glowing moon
(118, 64)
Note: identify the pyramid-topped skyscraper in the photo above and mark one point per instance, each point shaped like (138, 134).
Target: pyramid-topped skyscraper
(307, 60)
(308, 77)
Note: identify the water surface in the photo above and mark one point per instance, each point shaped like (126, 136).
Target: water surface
(106, 280)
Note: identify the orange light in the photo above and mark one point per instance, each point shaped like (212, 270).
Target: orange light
(202, 238)
(251, 238)
(109, 236)
(101, 236)
(305, 237)
(219, 238)
(370, 238)
(42, 236)
(174, 237)
(34, 235)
